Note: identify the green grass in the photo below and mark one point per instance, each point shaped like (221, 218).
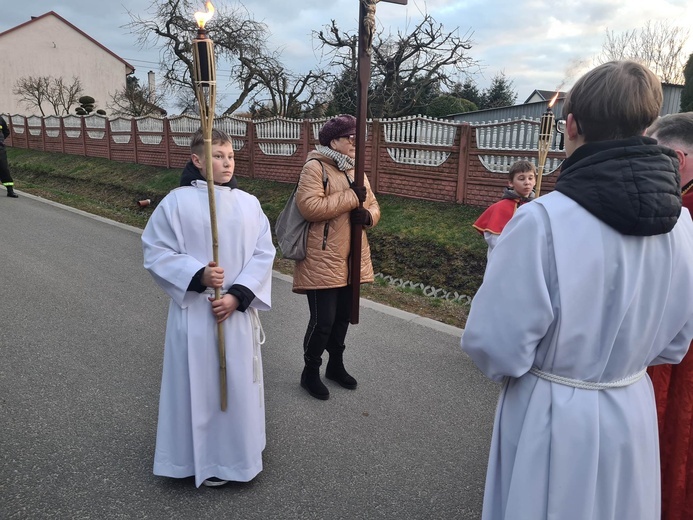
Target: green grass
(416, 240)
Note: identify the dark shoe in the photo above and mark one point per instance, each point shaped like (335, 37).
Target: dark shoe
(11, 193)
(310, 380)
(336, 372)
(214, 482)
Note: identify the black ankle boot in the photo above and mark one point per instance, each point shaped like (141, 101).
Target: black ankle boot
(310, 380)
(11, 193)
(335, 369)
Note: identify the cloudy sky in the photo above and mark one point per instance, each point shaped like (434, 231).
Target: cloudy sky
(538, 44)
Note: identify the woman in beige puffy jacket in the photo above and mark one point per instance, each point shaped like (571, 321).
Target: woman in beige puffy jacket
(324, 273)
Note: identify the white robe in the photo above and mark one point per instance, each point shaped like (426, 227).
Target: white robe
(194, 437)
(568, 294)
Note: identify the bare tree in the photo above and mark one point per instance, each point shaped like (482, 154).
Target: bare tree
(135, 100)
(658, 45)
(239, 42)
(62, 95)
(34, 91)
(236, 36)
(287, 94)
(186, 102)
(407, 69)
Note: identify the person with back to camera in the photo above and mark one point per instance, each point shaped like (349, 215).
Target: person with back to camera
(673, 384)
(323, 275)
(587, 287)
(194, 437)
(522, 177)
(5, 176)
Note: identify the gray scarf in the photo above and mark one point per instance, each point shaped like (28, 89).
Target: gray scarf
(344, 162)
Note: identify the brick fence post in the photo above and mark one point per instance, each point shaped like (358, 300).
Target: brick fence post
(463, 162)
(133, 131)
(375, 155)
(251, 149)
(84, 135)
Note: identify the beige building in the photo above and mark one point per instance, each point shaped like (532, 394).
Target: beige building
(49, 45)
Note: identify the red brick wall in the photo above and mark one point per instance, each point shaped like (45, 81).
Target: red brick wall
(461, 178)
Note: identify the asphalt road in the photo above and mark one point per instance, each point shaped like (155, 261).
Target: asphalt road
(81, 343)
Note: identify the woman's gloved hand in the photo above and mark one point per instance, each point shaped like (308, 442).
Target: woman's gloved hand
(360, 192)
(360, 216)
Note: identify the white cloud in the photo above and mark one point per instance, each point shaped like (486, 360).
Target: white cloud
(535, 42)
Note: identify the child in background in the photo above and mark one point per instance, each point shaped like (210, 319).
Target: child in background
(522, 178)
(194, 437)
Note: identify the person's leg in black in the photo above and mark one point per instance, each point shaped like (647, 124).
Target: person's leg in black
(323, 307)
(5, 176)
(335, 345)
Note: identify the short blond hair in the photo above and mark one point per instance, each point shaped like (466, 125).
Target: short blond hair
(197, 141)
(615, 100)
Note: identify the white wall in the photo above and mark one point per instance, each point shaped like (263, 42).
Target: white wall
(49, 47)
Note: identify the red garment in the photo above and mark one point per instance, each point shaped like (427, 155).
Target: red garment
(496, 216)
(673, 386)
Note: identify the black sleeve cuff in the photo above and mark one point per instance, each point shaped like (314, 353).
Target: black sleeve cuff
(245, 296)
(196, 282)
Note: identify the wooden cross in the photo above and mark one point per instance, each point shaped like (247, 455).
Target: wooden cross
(366, 32)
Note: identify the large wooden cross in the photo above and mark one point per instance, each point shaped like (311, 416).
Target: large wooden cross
(366, 32)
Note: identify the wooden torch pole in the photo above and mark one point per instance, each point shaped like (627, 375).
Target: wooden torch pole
(205, 89)
(545, 138)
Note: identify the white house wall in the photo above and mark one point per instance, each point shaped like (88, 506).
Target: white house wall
(49, 47)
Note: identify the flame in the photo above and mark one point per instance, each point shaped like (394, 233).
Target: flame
(203, 18)
(553, 99)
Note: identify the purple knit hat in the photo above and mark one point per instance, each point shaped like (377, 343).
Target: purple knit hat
(337, 127)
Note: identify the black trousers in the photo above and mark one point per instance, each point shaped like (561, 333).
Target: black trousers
(5, 176)
(330, 311)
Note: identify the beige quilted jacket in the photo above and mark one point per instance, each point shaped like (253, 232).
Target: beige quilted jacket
(326, 264)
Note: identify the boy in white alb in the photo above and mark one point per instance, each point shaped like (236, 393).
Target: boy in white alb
(194, 437)
(587, 287)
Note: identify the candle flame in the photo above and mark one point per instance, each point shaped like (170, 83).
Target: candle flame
(203, 18)
(553, 99)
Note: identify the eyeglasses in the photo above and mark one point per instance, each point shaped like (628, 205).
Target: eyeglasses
(351, 137)
(560, 125)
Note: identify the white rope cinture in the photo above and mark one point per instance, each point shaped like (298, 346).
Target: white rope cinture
(588, 385)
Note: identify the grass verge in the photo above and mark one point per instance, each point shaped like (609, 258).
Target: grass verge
(425, 242)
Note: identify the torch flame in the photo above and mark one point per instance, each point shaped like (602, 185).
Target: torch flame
(203, 18)
(553, 99)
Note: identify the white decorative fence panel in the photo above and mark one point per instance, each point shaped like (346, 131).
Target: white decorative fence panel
(421, 131)
(520, 136)
(150, 124)
(278, 148)
(278, 128)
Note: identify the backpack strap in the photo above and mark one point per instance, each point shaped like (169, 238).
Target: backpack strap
(324, 173)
